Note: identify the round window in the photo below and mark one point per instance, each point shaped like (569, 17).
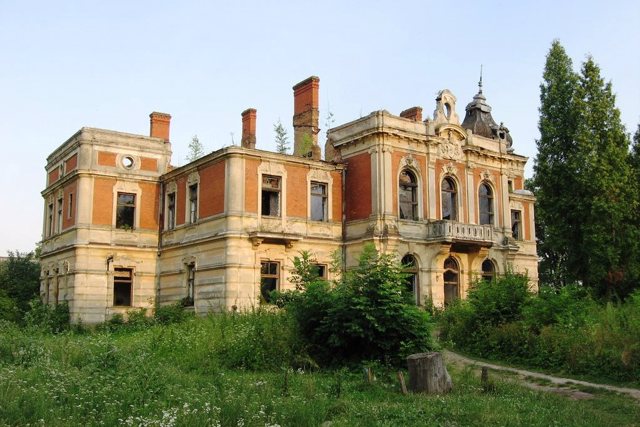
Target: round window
(127, 162)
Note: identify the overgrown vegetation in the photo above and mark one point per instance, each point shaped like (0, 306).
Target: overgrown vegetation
(560, 329)
(19, 284)
(366, 315)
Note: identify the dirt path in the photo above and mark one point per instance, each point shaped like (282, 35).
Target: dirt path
(565, 386)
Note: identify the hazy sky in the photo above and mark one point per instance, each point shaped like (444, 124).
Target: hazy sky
(108, 64)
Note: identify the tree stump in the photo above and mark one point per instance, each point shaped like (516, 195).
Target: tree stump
(427, 374)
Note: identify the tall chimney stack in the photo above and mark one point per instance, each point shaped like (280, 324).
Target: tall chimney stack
(160, 125)
(249, 128)
(305, 118)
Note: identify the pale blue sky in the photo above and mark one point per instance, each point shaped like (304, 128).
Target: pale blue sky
(108, 64)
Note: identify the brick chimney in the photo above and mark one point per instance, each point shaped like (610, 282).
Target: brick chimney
(413, 113)
(249, 128)
(305, 118)
(160, 125)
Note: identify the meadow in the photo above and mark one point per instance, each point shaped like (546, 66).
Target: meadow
(245, 370)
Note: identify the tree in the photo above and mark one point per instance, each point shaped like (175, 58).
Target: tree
(282, 139)
(19, 281)
(554, 169)
(196, 150)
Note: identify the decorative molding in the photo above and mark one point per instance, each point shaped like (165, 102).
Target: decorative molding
(194, 178)
(450, 149)
(450, 169)
(272, 168)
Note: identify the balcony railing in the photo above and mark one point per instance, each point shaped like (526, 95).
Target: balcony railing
(452, 231)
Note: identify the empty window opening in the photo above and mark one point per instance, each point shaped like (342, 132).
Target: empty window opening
(486, 204)
(516, 224)
(191, 285)
(122, 286)
(50, 219)
(408, 195)
(488, 270)
(269, 279)
(171, 211)
(193, 203)
(449, 197)
(318, 201)
(411, 280)
(270, 195)
(126, 210)
(451, 280)
(59, 216)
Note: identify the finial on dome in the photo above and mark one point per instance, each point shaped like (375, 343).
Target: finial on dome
(480, 82)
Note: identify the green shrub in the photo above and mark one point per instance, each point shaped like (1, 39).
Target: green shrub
(51, 318)
(168, 314)
(365, 316)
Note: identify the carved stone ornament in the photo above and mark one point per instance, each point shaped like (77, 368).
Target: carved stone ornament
(193, 178)
(449, 169)
(450, 149)
(486, 175)
(411, 163)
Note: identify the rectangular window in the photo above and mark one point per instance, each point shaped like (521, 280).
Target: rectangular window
(122, 286)
(171, 211)
(321, 270)
(70, 206)
(516, 224)
(126, 210)
(59, 216)
(191, 284)
(318, 201)
(49, 230)
(269, 278)
(270, 195)
(193, 203)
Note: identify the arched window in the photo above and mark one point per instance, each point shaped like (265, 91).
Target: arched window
(449, 197)
(451, 280)
(488, 270)
(485, 198)
(411, 281)
(408, 195)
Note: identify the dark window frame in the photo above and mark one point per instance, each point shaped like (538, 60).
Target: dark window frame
(488, 270)
(449, 196)
(485, 204)
(412, 281)
(122, 287)
(126, 210)
(193, 203)
(409, 189)
(451, 278)
(271, 196)
(321, 197)
(171, 210)
(269, 279)
(516, 224)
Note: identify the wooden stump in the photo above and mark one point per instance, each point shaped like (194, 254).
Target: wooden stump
(427, 374)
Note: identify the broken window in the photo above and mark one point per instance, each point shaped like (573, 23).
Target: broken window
(485, 198)
(50, 219)
(516, 224)
(488, 270)
(191, 284)
(321, 270)
(408, 195)
(411, 280)
(451, 280)
(193, 203)
(270, 195)
(122, 286)
(449, 196)
(59, 216)
(126, 210)
(171, 211)
(318, 201)
(269, 278)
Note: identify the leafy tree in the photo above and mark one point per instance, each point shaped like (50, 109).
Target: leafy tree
(196, 150)
(282, 139)
(19, 281)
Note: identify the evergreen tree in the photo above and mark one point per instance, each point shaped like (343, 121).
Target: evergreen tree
(282, 139)
(196, 150)
(555, 167)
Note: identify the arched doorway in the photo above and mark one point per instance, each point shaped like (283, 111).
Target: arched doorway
(488, 270)
(451, 280)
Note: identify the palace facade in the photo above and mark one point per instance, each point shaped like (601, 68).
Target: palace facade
(124, 229)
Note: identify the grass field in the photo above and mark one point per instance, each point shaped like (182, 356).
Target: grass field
(242, 370)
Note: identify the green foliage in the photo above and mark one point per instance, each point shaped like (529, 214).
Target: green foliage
(173, 313)
(282, 139)
(19, 283)
(195, 149)
(365, 316)
(49, 318)
(587, 195)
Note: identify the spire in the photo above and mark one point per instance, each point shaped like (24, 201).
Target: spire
(480, 82)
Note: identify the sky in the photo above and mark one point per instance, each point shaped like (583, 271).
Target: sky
(108, 64)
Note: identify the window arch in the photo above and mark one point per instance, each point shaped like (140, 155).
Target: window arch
(449, 199)
(485, 202)
(408, 195)
(451, 280)
(410, 265)
(488, 270)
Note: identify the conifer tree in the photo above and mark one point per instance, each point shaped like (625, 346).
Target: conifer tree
(196, 150)
(555, 167)
(282, 139)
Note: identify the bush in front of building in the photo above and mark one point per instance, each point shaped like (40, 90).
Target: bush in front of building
(365, 316)
(46, 317)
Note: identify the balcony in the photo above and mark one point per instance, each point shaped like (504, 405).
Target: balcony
(459, 233)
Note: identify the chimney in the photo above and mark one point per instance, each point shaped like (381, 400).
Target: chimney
(413, 113)
(305, 118)
(249, 128)
(160, 125)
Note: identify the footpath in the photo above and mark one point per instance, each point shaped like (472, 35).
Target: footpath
(550, 383)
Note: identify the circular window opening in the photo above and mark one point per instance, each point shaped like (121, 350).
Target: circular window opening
(127, 162)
